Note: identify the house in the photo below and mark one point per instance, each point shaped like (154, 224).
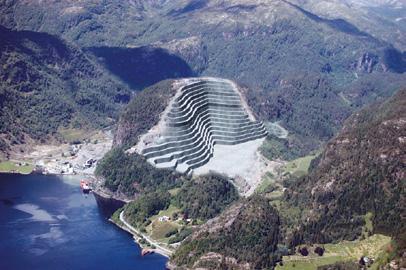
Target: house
(163, 218)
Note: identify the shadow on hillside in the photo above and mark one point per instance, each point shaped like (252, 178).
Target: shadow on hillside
(192, 6)
(337, 24)
(143, 66)
(46, 43)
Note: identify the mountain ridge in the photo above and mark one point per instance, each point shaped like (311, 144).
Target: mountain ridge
(336, 58)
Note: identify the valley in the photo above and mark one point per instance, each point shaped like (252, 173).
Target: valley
(222, 134)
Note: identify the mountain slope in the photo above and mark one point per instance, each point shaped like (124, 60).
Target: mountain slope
(46, 83)
(301, 65)
(360, 171)
(245, 236)
(382, 19)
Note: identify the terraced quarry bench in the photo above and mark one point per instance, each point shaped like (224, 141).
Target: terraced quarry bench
(203, 113)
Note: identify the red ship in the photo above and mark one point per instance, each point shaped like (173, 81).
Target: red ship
(84, 185)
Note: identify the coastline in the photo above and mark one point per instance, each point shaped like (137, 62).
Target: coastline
(51, 160)
(124, 225)
(138, 236)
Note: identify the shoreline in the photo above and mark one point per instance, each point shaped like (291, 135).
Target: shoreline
(137, 235)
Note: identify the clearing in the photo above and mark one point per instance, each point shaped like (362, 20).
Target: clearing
(374, 247)
(16, 167)
(299, 167)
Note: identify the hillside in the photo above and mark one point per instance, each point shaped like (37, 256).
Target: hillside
(355, 191)
(371, 16)
(143, 112)
(46, 84)
(185, 125)
(359, 178)
(308, 64)
(251, 226)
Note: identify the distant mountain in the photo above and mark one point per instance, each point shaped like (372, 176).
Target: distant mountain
(383, 19)
(308, 64)
(46, 83)
(361, 171)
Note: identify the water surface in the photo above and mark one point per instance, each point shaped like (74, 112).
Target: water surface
(47, 223)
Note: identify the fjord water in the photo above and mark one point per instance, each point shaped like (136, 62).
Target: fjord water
(47, 223)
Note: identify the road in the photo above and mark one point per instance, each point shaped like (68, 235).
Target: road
(159, 248)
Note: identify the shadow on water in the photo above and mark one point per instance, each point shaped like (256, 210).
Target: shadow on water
(107, 206)
(143, 66)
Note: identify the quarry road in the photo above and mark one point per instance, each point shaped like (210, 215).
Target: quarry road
(159, 248)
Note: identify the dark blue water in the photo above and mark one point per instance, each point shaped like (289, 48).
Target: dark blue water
(47, 223)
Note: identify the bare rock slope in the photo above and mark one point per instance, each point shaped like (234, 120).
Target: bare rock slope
(205, 126)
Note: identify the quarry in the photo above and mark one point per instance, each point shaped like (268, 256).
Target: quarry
(207, 127)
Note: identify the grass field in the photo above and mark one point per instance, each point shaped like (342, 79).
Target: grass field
(168, 212)
(299, 167)
(267, 180)
(157, 229)
(9, 166)
(71, 134)
(160, 228)
(374, 247)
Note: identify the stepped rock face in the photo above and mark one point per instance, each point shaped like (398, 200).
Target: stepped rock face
(203, 113)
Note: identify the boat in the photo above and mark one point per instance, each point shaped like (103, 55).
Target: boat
(146, 251)
(84, 185)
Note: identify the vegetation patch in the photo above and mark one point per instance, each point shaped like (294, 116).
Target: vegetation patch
(116, 216)
(16, 167)
(267, 183)
(206, 196)
(72, 135)
(47, 84)
(346, 251)
(131, 174)
(143, 112)
(139, 211)
(299, 167)
(254, 229)
(163, 229)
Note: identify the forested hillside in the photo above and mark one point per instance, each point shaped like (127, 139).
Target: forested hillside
(311, 67)
(245, 236)
(355, 189)
(360, 173)
(46, 83)
(143, 112)
(131, 174)
(308, 64)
